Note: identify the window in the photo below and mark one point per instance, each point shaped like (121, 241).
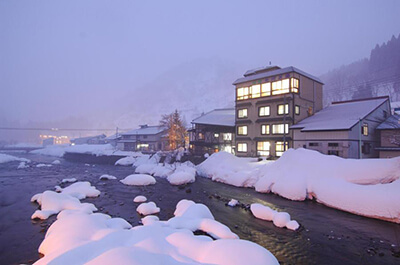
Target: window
(297, 109)
(333, 144)
(280, 147)
(242, 147)
(280, 87)
(263, 148)
(333, 152)
(242, 93)
(280, 128)
(313, 144)
(227, 137)
(364, 129)
(255, 91)
(366, 148)
(242, 113)
(263, 111)
(295, 85)
(266, 89)
(283, 109)
(265, 129)
(216, 135)
(242, 130)
(201, 136)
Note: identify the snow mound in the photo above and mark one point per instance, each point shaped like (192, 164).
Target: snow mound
(51, 150)
(279, 219)
(196, 216)
(82, 238)
(43, 165)
(183, 174)
(107, 177)
(140, 198)
(52, 203)
(69, 180)
(126, 161)
(227, 168)
(139, 180)
(9, 158)
(145, 168)
(81, 190)
(56, 162)
(147, 208)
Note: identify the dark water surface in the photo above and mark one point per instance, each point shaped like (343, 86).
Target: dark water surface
(326, 236)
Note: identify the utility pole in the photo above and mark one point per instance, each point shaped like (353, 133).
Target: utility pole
(359, 139)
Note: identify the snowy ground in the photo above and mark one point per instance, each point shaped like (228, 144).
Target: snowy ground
(357, 239)
(368, 187)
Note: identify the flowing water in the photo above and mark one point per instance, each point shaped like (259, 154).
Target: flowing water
(326, 236)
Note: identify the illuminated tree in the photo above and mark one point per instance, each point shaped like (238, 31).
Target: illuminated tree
(176, 129)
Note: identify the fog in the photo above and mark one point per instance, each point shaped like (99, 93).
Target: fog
(102, 64)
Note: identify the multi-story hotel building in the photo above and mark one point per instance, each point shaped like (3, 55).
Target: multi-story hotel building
(268, 101)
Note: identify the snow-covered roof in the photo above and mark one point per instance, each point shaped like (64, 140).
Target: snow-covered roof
(285, 70)
(340, 115)
(260, 69)
(222, 117)
(114, 136)
(391, 123)
(89, 137)
(146, 130)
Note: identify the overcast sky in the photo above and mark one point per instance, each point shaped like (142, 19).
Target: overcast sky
(58, 56)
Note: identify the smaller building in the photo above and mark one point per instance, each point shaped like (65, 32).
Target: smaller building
(390, 137)
(97, 139)
(346, 129)
(213, 132)
(113, 139)
(146, 139)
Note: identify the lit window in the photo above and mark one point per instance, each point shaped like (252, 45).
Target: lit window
(242, 113)
(242, 147)
(265, 129)
(255, 91)
(280, 147)
(364, 129)
(242, 93)
(283, 109)
(242, 130)
(280, 87)
(295, 85)
(227, 137)
(297, 110)
(263, 148)
(201, 136)
(280, 128)
(216, 135)
(264, 111)
(266, 89)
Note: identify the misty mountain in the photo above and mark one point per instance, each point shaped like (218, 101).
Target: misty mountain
(378, 75)
(192, 88)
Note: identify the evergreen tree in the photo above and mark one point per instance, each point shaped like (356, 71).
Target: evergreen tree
(176, 129)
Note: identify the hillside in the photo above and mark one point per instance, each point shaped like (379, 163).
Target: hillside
(377, 75)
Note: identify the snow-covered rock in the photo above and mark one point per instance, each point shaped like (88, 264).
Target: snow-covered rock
(81, 190)
(126, 161)
(22, 165)
(77, 237)
(107, 177)
(139, 180)
(233, 203)
(56, 162)
(43, 165)
(147, 208)
(69, 180)
(140, 198)
(279, 219)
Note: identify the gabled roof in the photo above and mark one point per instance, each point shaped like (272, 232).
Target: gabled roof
(222, 117)
(113, 136)
(281, 71)
(146, 130)
(391, 123)
(340, 115)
